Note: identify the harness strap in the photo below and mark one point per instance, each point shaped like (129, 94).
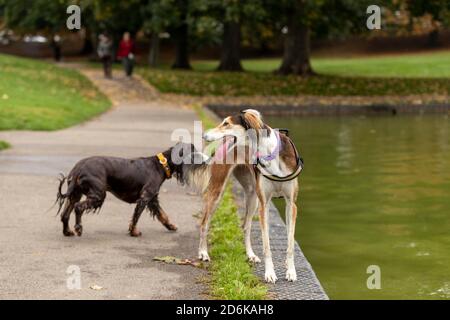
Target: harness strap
(289, 177)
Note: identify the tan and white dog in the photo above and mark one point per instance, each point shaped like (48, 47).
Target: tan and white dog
(268, 167)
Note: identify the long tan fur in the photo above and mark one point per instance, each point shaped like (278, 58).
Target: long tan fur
(197, 176)
(253, 119)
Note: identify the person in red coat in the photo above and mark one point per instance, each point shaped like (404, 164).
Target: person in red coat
(126, 53)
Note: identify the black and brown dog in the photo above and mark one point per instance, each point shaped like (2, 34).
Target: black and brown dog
(131, 180)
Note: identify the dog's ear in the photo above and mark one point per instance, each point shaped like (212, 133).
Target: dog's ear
(255, 112)
(177, 153)
(181, 151)
(252, 119)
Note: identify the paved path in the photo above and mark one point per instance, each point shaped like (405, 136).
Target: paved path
(34, 255)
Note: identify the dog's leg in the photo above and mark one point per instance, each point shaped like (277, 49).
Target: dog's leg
(291, 217)
(149, 199)
(68, 208)
(247, 180)
(65, 216)
(264, 198)
(164, 219)
(93, 202)
(157, 211)
(291, 210)
(78, 226)
(140, 207)
(208, 210)
(251, 206)
(219, 177)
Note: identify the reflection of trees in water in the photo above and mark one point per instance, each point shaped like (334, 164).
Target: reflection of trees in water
(344, 147)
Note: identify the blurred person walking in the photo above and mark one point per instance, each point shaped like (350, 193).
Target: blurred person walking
(126, 53)
(104, 51)
(56, 46)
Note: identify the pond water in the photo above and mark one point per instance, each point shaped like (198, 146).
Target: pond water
(375, 191)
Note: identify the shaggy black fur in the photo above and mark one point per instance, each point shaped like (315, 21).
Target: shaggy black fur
(131, 180)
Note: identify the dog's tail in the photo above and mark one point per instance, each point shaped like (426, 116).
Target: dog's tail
(62, 197)
(197, 176)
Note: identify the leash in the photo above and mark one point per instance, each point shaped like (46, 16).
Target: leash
(293, 175)
(163, 161)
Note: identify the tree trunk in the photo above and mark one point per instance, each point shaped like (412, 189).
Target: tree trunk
(181, 37)
(296, 56)
(56, 52)
(181, 48)
(433, 38)
(88, 45)
(231, 44)
(153, 55)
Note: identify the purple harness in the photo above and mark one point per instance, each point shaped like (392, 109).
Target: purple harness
(274, 153)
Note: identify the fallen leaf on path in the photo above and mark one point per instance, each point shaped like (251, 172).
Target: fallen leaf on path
(197, 215)
(96, 287)
(174, 260)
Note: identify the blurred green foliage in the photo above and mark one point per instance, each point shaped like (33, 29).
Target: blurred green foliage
(262, 23)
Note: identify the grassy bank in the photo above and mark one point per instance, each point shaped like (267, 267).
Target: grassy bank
(373, 76)
(4, 145)
(35, 95)
(232, 276)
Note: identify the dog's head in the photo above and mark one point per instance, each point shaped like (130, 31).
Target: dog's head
(186, 153)
(182, 155)
(234, 129)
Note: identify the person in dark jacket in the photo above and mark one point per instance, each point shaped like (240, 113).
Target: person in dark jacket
(126, 53)
(104, 51)
(56, 46)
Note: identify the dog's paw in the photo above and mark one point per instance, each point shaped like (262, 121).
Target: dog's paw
(68, 233)
(254, 258)
(291, 275)
(135, 233)
(203, 255)
(79, 230)
(171, 227)
(270, 276)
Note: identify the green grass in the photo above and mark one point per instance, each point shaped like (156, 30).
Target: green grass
(4, 145)
(35, 95)
(232, 277)
(374, 76)
(430, 65)
(425, 65)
